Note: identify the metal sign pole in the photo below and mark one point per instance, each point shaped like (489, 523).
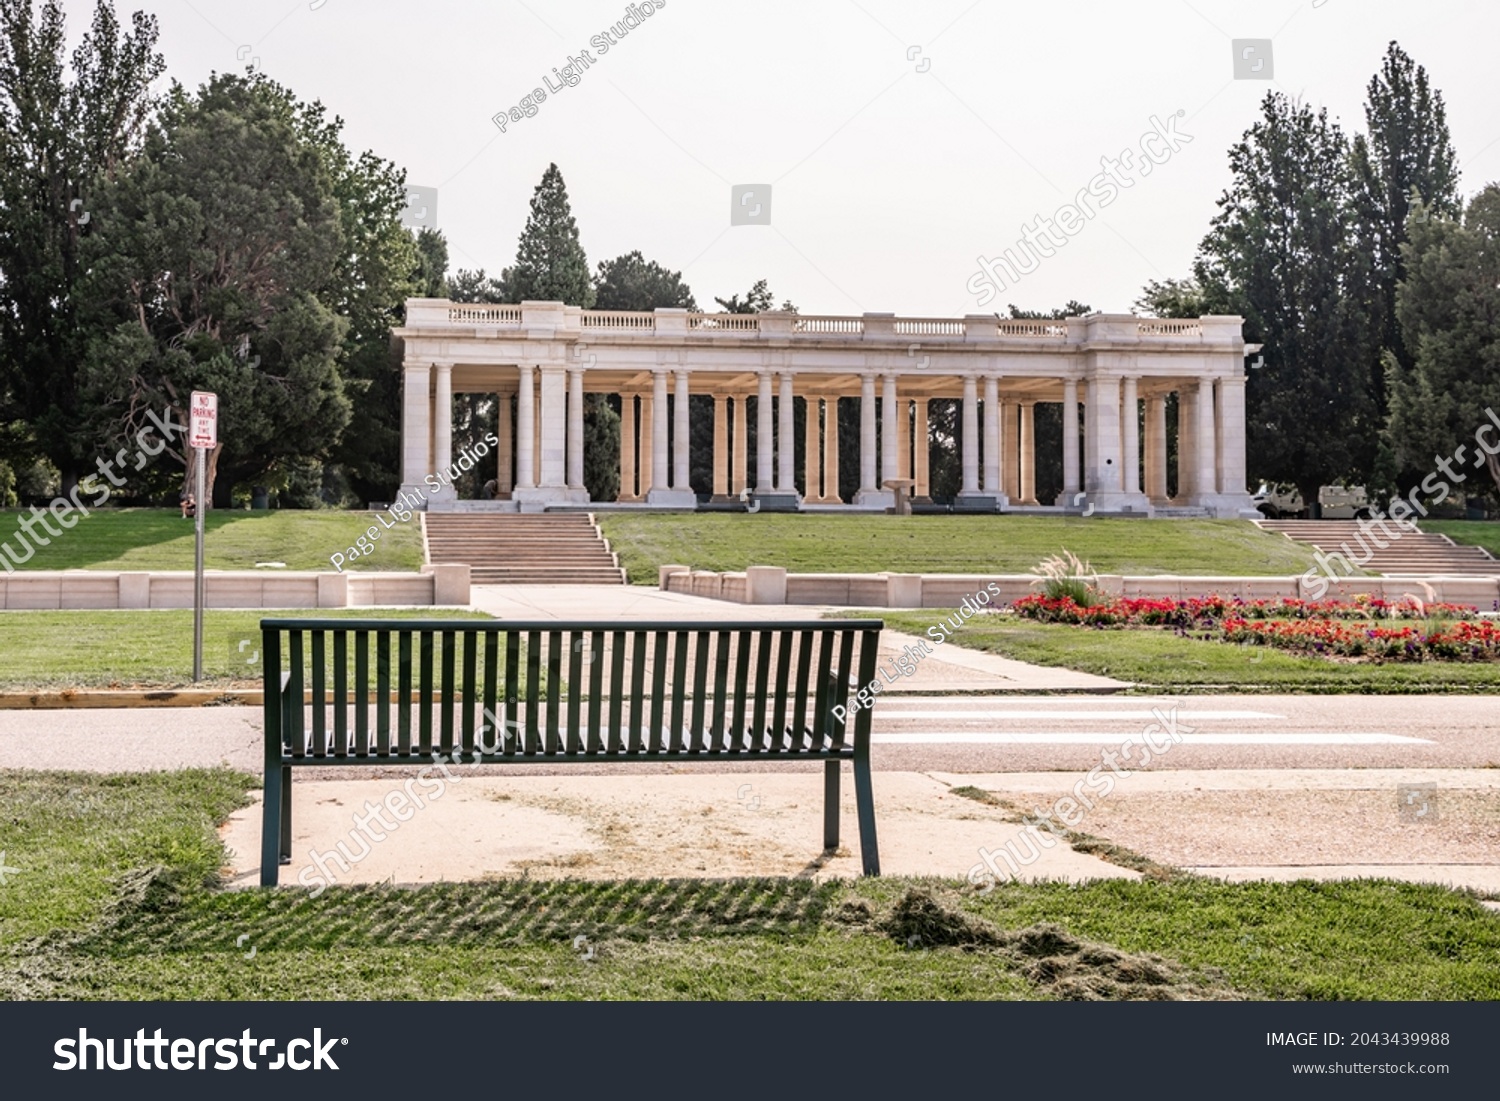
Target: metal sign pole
(200, 479)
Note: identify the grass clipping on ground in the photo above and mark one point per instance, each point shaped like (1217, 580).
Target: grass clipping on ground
(1061, 965)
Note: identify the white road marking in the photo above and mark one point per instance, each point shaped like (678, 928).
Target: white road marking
(1183, 715)
(1101, 737)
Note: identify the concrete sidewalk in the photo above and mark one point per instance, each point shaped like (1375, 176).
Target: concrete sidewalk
(948, 669)
(709, 825)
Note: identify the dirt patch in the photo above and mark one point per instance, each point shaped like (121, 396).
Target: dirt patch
(1060, 964)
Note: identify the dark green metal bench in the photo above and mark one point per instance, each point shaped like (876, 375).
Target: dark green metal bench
(406, 692)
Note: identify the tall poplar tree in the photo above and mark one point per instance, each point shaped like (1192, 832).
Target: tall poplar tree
(1288, 252)
(66, 127)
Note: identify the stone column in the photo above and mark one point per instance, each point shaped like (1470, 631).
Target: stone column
(442, 427)
(810, 440)
(627, 448)
(505, 476)
(575, 428)
(1010, 449)
(721, 449)
(992, 436)
(786, 445)
(681, 438)
(1028, 450)
(903, 441)
(741, 446)
(554, 430)
(868, 477)
(1232, 442)
(526, 429)
(1207, 447)
(1218, 436)
(831, 453)
(1130, 414)
(890, 427)
(646, 466)
(869, 493)
(923, 488)
(416, 428)
(1156, 448)
(1071, 485)
(1102, 442)
(970, 463)
(659, 456)
(764, 437)
(1187, 443)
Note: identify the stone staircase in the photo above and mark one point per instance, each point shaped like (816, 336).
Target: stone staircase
(523, 548)
(1415, 554)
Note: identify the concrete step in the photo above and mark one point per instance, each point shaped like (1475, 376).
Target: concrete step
(515, 549)
(1413, 553)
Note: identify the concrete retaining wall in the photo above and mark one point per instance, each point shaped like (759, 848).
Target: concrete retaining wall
(446, 585)
(773, 585)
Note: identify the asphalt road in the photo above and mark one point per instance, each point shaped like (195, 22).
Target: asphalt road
(912, 733)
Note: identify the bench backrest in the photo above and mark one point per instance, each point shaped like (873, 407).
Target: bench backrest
(412, 688)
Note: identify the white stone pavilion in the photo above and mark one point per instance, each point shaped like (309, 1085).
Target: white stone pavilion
(541, 358)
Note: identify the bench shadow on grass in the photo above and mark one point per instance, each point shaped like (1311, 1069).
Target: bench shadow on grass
(154, 918)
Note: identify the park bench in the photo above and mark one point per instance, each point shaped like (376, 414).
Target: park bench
(412, 692)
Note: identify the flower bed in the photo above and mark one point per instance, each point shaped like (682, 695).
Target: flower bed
(1163, 612)
(1378, 630)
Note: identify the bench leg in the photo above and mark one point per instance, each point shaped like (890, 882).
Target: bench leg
(830, 805)
(864, 799)
(270, 828)
(286, 814)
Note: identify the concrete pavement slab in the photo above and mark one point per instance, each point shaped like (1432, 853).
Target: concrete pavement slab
(709, 825)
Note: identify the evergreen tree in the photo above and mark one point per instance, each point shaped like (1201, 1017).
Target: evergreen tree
(65, 129)
(1288, 253)
(1407, 153)
(204, 272)
(550, 263)
(551, 266)
(631, 282)
(1449, 309)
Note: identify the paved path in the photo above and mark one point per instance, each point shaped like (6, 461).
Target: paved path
(946, 669)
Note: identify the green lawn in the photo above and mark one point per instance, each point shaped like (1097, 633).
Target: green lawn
(820, 543)
(114, 896)
(160, 539)
(48, 649)
(1479, 533)
(1163, 661)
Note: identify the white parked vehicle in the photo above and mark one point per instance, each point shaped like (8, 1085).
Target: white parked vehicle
(1335, 502)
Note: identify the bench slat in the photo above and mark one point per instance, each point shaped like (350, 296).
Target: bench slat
(762, 689)
(403, 691)
(719, 734)
(425, 688)
(319, 705)
(383, 692)
(741, 690)
(470, 692)
(513, 718)
(341, 693)
(638, 721)
(658, 692)
(595, 740)
(294, 690)
(533, 692)
(362, 693)
(615, 734)
(575, 692)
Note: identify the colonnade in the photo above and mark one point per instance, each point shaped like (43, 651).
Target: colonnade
(1117, 462)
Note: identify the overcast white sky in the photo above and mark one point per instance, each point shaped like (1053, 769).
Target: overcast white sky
(888, 182)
